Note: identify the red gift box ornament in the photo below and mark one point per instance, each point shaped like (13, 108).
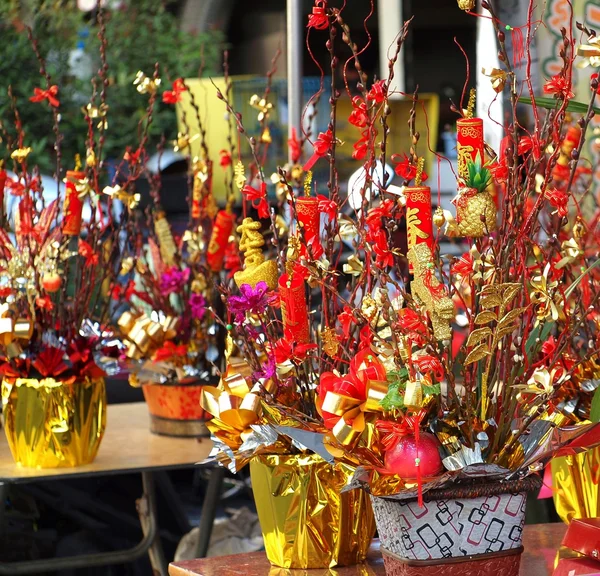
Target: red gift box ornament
(73, 206)
(219, 239)
(309, 219)
(294, 311)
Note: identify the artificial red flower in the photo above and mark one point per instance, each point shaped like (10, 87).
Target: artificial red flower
(15, 187)
(412, 325)
(132, 157)
(559, 86)
(361, 147)
(294, 146)
(463, 266)
(5, 291)
(384, 257)
(549, 346)
(346, 319)
(44, 303)
(405, 169)
(358, 116)
(225, 159)
(287, 349)
(375, 215)
(85, 250)
(328, 206)
(321, 148)
(427, 363)
(530, 144)
(558, 199)
(318, 19)
(49, 94)
(173, 96)
(365, 337)
(258, 198)
(377, 92)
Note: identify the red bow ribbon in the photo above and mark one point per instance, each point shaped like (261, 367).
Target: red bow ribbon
(50, 95)
(169, 351)
(258, 198)
(321, 148)
(49, 362)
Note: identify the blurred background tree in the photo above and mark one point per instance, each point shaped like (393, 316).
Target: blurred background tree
(139, 34)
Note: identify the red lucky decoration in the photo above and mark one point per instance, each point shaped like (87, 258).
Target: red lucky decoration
(73, 206)
(419, 222)
(318, 19)
(294, 311)
(309, 219)
(49, 362)
(294, 146)
(258, 198)
(174, 96)
(39, 95)
(469, 143)
(321, 148)
(344, 400)
(219, 239)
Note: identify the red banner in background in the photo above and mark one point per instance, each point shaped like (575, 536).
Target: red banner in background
(219, 239)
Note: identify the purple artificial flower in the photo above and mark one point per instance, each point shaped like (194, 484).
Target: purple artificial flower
(253, 300)
(266, 371)
(197, 306)
(173, 280)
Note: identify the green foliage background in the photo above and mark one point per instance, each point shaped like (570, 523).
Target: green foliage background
(139, 34)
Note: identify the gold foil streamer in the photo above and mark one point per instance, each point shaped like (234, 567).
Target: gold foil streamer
(305, 521)
(576, 480)
(52, 424)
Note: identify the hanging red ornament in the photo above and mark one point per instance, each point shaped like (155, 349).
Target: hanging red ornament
(309, 219)
(318, 19)
(294, 311)
(219, 238)
(469, 143)
(408, 455)
(419, 221)
(73, 206)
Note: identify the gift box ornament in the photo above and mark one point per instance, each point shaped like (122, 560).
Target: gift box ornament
(580, 552)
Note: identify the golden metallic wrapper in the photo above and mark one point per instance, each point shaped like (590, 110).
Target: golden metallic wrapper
(305, 521)
(576, 490)
(52, 424)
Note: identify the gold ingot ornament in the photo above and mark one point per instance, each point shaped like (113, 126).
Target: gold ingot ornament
(256, 268)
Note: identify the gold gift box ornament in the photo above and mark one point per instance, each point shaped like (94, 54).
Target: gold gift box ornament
(51, 423)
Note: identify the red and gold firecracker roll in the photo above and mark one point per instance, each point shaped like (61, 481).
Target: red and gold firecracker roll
(73, 206)
(469, 143)
(219, 239)
(561, 170)
(2, 185)
(294, 310)
(309, 219)
(419, 224)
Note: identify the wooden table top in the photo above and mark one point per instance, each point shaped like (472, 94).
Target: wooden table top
(127, 446)
(541, 541)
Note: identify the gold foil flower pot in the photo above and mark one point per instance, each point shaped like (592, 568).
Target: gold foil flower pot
(306, 522)
(50, 423)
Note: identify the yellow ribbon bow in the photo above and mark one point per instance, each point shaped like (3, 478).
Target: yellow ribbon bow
(143, 335)
(497, 77)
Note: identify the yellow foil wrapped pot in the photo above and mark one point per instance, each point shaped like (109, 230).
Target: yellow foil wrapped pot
(575, 480)
(52, 424)
(305, 521)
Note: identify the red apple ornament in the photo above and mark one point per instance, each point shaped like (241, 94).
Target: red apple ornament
(51, 282)
(401, 458)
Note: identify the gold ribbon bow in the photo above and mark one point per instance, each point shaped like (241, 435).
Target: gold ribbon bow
(353, 412)
(11, 330)
(143, 335)
(497, 77)
(570, 251)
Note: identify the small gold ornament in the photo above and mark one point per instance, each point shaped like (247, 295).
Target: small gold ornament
(90, 158)
(240, 175)
(413, 395)
(183, 141)
(97, 113)
(20, 154)
(264, 108)
(330, 341)
(438, 217)
(144, 84)
(255, 266)
(466, 4)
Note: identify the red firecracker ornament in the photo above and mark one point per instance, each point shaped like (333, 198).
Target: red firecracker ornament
(408, 453)
(73, 206)
(309, 219)
(2, 185)
(419, 223)
(219, 239)
(294, 310)
(469, 143)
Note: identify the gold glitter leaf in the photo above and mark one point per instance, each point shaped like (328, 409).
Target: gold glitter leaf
(485, 317)
(477, 354)
(510, 290)
(478, 335)
(490, 300)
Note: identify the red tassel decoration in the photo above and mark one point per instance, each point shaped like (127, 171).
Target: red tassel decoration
(309, 219)
(518, 46)
(294, 310)
(219, 239)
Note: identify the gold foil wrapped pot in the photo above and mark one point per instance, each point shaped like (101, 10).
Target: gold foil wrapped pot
(306, 522)
(53, 424)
